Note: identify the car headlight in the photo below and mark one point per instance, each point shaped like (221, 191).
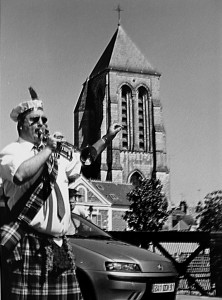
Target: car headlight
(122, 267)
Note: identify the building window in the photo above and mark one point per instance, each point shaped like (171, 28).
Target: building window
(91, 197)
(135, 178)
(126, 97)
(141, 123)
(97, 219)
(114, 196)
(143, 118)
(82, 193)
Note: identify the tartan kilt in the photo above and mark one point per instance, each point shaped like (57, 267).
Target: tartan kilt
(31, 280)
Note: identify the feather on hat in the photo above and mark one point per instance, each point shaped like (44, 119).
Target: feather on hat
(26, 107)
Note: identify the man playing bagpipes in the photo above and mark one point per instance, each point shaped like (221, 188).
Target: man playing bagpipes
(35, 178)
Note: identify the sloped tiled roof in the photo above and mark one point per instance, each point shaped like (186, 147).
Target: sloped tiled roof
(181, 225)
(185, 221)
(189, 220)
(123, 55)
(115, 193)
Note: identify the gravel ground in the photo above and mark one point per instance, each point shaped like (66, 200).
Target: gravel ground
(188, 297)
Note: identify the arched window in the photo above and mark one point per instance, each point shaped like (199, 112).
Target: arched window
(135, 178)
(143, 116)
(126, 97)
(82, 193)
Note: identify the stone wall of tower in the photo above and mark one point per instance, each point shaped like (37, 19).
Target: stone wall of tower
(134, 159)
(102, 107)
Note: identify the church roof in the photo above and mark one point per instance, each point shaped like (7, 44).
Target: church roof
(122, 54)
(114, 193)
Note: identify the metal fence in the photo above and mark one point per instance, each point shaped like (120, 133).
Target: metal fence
(197, 257)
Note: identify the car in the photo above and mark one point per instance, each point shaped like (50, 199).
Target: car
(109, 269)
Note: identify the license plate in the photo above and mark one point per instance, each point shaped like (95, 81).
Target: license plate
(163, 288)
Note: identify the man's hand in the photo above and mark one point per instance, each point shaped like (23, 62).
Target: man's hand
(112, 131)
(54, 140)
(58, 135)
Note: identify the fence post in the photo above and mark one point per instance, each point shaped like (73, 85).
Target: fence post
(216, 261)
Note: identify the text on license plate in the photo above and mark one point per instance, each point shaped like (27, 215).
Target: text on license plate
(163, 287)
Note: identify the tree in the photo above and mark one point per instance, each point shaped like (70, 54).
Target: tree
(148, 206)
(211, 214)
(199, 207)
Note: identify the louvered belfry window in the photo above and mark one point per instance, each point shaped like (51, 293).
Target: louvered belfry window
(142, 109)
(141, 121)
(127, 122)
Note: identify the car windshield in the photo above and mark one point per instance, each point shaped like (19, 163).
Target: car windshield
(83, 228)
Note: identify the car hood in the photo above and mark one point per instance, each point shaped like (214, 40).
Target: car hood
(112, 250)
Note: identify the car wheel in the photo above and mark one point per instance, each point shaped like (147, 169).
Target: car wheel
(86, 285)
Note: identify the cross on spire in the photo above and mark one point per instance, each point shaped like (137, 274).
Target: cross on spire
(118, 9)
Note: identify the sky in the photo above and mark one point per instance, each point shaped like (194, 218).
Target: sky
(53, 45)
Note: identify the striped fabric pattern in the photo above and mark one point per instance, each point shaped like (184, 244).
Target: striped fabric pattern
(12, 233)
(31, 280)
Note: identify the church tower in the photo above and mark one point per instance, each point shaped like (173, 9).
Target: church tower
(123, 87)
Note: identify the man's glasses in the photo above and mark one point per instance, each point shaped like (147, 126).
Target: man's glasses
(34, 120)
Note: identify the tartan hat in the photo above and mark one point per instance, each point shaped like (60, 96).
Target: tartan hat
(25, 107)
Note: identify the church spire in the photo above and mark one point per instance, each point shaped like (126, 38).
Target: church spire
(123, 55)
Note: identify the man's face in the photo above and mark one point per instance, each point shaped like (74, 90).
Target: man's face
(72, 202)
(34, 124)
